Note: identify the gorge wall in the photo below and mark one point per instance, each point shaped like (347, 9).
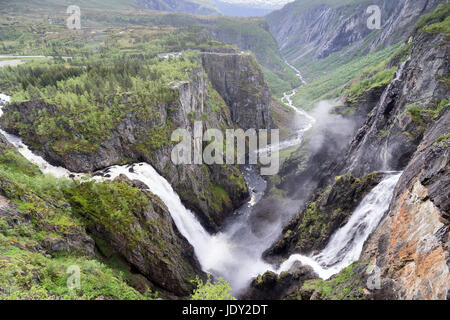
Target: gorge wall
(303, 29)
(406, 128)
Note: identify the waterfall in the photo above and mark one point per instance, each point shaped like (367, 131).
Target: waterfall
(346, 244)
(221, 254)
(235, 254)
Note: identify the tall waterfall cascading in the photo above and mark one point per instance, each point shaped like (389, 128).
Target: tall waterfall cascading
(346, 244)
(218, 254)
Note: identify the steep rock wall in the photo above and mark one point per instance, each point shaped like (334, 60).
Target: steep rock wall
(239, 80)
(302, 28)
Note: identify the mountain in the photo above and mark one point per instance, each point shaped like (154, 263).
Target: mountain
(260, 4)
(240, 9)
(315, 30)
(205, 7)
(187, 6)
(253, 8)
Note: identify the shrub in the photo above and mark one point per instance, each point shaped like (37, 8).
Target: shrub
(209, 290)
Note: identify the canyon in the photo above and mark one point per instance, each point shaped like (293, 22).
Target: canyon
(363, 190)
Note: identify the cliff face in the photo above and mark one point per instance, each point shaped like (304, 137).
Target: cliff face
(411, 245)
(304, 29)
(394, 129)
(239, 80)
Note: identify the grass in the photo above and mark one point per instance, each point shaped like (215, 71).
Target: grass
(33, 276)
(332, 83)
(345, 285)
(437, 21)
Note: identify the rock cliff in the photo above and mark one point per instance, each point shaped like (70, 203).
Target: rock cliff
(304, 28)
(239, 80)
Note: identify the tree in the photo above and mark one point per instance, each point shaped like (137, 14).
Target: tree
(219, 290)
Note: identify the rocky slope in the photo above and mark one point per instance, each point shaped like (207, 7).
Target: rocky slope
(411, 245)
(408, 105)
(128, 229)
(240, 82)
(310, 230)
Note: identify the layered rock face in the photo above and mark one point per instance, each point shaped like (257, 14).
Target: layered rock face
(239, 80)
(411, 245)
(303, 28)
(401, 112)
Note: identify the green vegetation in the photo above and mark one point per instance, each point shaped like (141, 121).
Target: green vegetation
(27, 272)
(437, 21)
(110, 205)
(330, 76)
(209, 290)
(54, 39)
(89, 95)
(345, 285)
(30, 275)
(442, 140)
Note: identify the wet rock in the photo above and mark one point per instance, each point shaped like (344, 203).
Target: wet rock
(313, 227)
(148, 240)
(271, 286)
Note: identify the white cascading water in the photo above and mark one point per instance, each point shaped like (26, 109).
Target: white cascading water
(346, 244)
(218, 254)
